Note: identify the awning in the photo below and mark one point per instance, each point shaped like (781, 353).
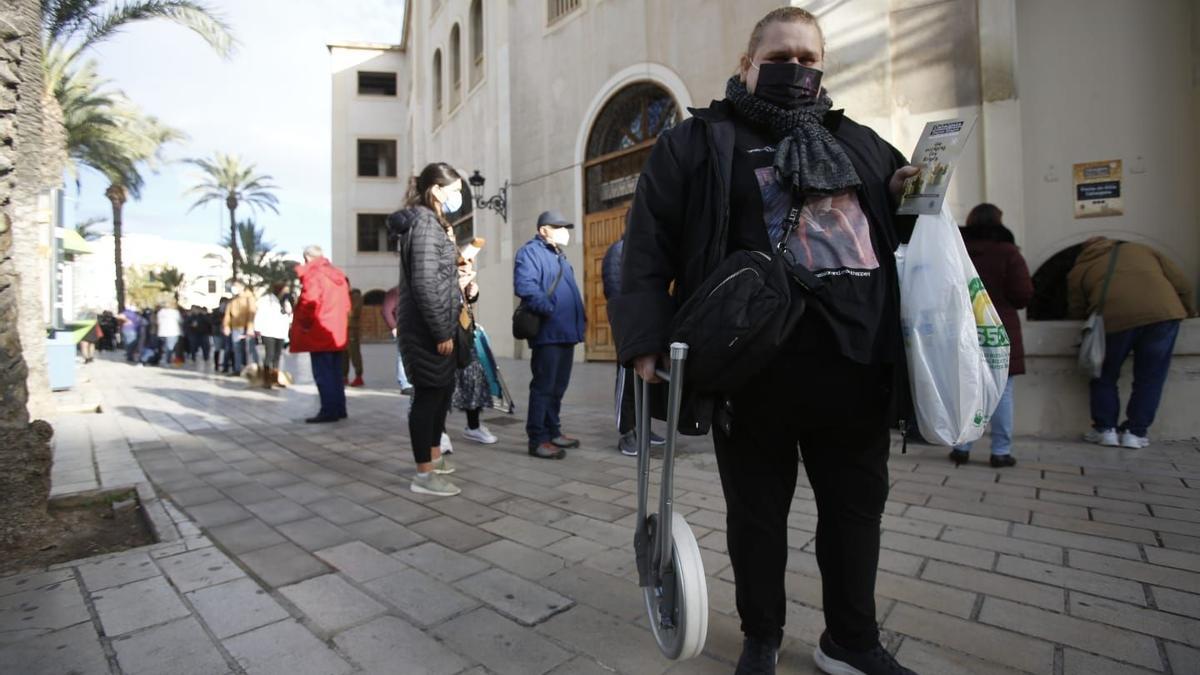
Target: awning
(73, 243)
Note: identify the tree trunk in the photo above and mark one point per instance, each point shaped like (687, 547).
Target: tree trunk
(116, 196)
(231, 203)
(24, 253)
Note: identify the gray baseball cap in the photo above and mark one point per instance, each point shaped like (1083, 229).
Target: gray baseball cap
(554, 219)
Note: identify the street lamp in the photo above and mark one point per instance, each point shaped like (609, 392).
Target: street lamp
(497, 202)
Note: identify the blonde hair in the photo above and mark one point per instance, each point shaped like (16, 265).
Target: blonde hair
(782, 15)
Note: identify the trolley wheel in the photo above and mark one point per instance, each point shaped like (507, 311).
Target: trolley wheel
(677, 605)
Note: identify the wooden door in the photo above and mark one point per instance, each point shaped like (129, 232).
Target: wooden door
(600, 230)
(372, 325)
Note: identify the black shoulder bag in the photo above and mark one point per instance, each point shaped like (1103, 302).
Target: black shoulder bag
(738, 319)
(526, 323)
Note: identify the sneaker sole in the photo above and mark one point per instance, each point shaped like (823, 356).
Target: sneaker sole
(832, 666)
(481, 441)
(426, 491)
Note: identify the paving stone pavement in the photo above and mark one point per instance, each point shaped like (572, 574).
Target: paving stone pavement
(1080, 560)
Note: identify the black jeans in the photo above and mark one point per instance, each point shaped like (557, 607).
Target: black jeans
(834, 411)
(427, 419)
(273, 348)
(198, 342)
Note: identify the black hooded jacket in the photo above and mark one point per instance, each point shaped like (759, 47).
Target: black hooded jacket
(678, 231)
(429, 299)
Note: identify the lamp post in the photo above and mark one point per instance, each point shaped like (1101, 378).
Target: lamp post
(497, 202)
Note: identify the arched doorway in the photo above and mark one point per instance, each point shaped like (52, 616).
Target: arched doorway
(618, 144)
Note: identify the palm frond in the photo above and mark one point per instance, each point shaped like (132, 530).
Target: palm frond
(97, 24)
(254, 246)
(105, 130)
(63, 18)
(84, 228)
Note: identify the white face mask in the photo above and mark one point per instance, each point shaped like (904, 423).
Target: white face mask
(560, 236)
(453, 202)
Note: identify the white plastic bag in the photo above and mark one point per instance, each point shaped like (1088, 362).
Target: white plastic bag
(957, 347)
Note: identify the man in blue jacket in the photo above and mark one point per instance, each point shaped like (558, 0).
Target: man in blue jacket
(544, 280)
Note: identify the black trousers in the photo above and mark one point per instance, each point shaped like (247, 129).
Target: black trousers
(274, 350)
(427, 419)
(831, 412)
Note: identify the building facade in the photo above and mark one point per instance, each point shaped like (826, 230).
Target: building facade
(205, 269)
(562, 99)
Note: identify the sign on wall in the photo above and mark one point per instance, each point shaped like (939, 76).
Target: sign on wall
(1098, 189)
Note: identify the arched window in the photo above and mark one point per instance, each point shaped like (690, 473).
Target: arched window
(437, 87)
(620, 142)
(455, 66)
(476, 42)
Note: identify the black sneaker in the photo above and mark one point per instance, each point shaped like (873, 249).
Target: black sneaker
(1001, 461)
(959, 457)
(834, 660)
(758, 658)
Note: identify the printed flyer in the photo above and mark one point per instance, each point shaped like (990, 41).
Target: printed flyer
(940, 145)
(1098, 189)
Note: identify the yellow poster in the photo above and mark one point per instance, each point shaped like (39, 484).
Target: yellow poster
(1098, 189)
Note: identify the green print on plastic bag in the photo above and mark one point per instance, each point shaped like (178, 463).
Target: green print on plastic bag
(990, 335)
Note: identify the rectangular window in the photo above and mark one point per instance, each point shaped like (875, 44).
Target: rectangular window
(212, 285)
(376, 84)
(557, 9)
(376, 159)
(372, 233)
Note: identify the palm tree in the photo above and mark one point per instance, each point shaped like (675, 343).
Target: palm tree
(227, 179)
(107, 133)
(255, 247)
(84, 228)
(170, 278)
(70, 27)
(271, 272)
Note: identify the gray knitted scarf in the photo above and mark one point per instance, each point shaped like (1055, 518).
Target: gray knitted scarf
(808, 158)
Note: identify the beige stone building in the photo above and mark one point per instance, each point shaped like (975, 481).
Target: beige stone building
(561, 100)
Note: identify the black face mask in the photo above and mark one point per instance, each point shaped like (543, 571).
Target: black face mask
(787, 85)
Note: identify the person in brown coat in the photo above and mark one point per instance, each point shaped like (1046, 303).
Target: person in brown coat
(1146, 300)
(1006, 277)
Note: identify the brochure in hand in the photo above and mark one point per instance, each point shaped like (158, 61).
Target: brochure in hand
(938, 150)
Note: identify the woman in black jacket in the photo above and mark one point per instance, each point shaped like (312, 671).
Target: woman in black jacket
(428, 309)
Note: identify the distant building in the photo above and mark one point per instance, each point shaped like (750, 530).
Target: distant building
(564, 99)
(205, 269)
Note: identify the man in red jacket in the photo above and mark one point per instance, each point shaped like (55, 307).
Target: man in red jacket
(319, 326)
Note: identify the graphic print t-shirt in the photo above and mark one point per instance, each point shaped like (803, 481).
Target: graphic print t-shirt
(833, 240)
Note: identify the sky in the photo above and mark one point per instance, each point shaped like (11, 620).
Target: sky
(268, 103)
